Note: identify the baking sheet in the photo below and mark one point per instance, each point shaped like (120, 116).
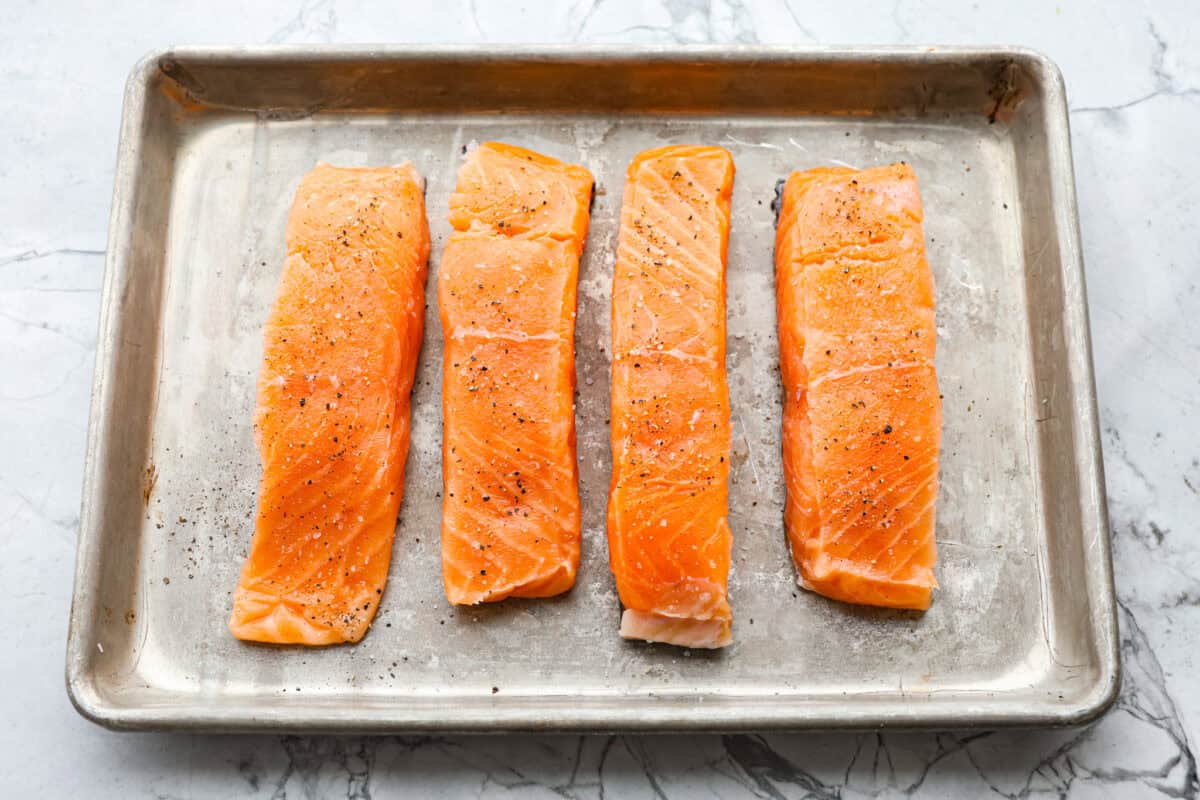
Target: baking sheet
(213, 145)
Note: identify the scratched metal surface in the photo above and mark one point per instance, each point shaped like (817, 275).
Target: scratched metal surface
(215, 141)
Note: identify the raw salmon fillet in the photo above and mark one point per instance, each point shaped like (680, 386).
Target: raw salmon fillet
(862, 414)
(668, 533)
(339, 352)
(506, 288)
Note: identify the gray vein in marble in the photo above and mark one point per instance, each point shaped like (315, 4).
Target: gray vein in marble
(34, 255)
(315, 19)
(85, 358)
(1145, 697)
(67, 524)
(1166, 84)
(582, 11)
(1116, 447)
(1182, 599)
(473, 15)
(737, 17)
(21, 322)
(800, 26)
(898, 21)
(771, 772)
(668, 33)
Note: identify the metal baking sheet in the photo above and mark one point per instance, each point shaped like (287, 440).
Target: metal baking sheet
(213, 144)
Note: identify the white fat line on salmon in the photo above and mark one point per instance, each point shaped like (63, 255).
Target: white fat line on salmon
(866, 368)
(646, 352)
(483, 333)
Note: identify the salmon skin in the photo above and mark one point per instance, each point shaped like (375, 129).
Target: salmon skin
(340, 351)
(668, 532)
(862, 414)
(507, 289)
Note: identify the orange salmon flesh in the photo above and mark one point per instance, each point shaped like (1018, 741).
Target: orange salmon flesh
(340, 351)
(862, 414)
(506, 290)
(668, 532)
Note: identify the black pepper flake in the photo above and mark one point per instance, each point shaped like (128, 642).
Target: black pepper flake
(887, 428)
(302, 402)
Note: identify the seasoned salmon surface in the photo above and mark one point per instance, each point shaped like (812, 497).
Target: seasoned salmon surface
(862, 414)
(668, 532)
(340, 350)
(507, 289)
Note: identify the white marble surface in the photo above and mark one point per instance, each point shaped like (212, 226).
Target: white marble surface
(1133, 73)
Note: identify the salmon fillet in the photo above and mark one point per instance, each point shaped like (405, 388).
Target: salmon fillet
(506, 289)
(668, 533)
(340, 349)
(862, 414)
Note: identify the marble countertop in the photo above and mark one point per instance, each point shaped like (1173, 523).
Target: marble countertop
(1133, 75)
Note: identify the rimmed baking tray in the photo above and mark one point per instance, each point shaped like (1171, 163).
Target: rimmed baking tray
(213, 143)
